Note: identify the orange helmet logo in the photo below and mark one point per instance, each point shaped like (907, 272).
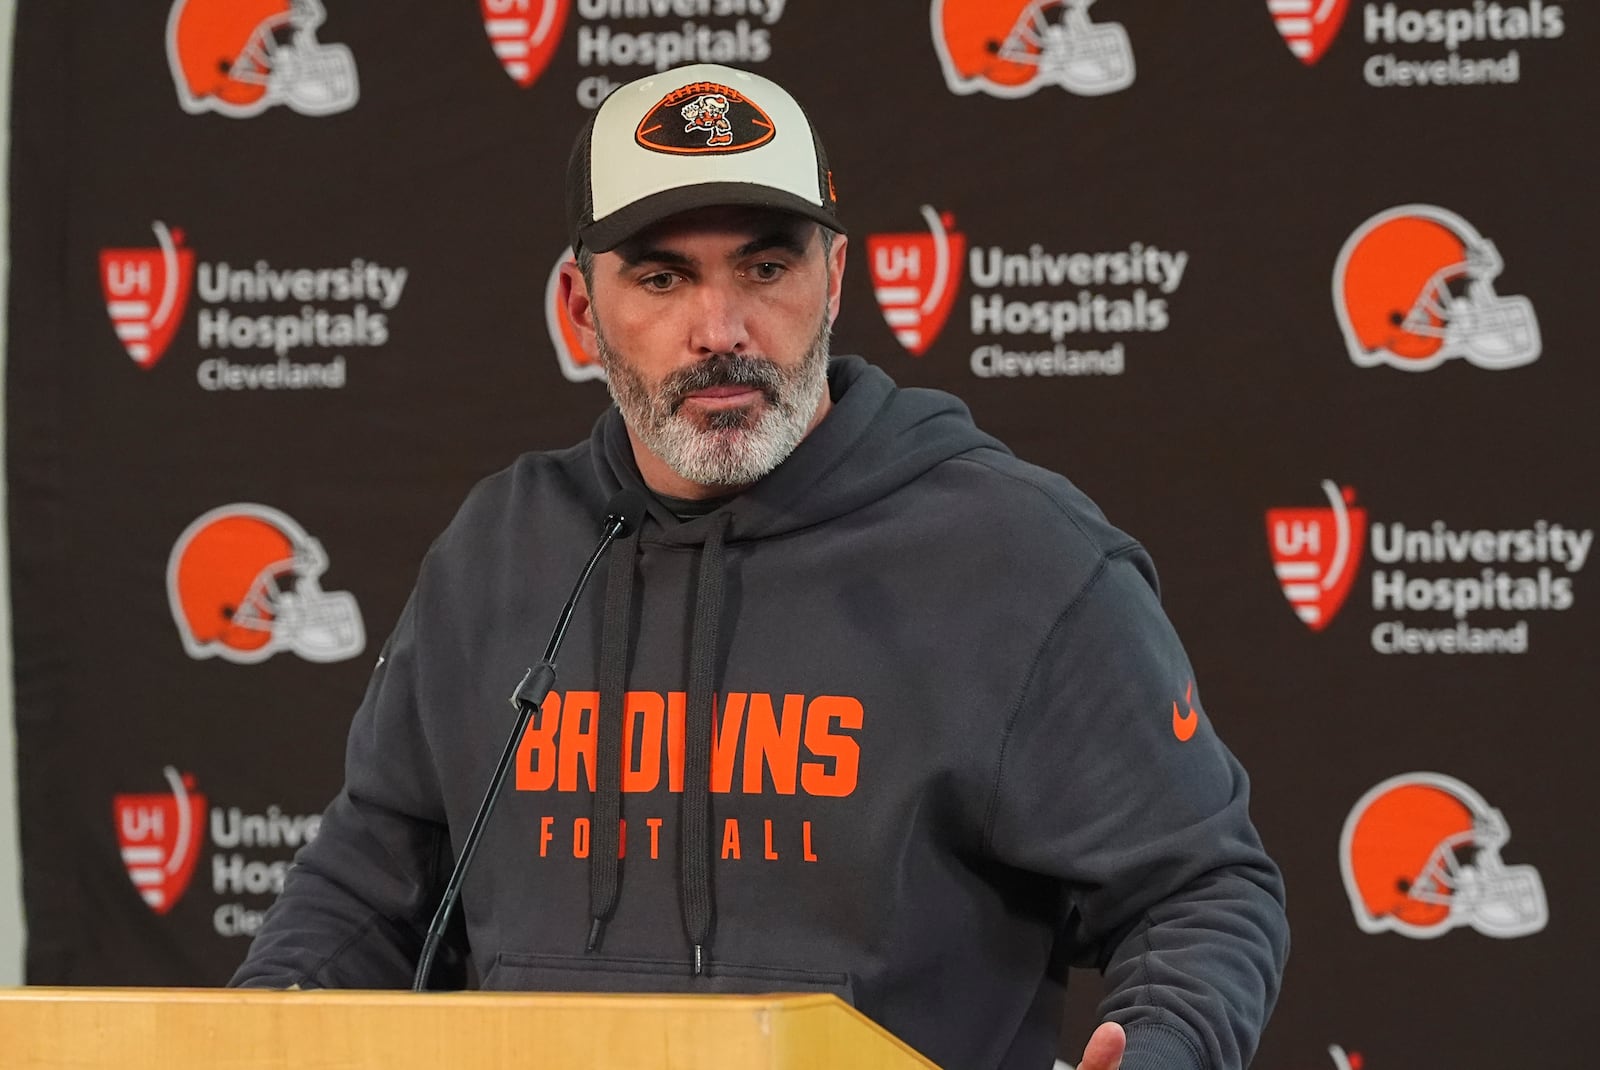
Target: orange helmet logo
(1420, 855)
(242, 582)
(1011, 48)
(240, 57)
(1413, 287)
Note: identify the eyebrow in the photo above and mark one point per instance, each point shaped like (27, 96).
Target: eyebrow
(785, 238)
(634, 256)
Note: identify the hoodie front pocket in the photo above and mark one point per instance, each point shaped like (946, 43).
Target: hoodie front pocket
(513, 971)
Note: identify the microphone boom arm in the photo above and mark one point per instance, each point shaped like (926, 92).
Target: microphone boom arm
(527, 697)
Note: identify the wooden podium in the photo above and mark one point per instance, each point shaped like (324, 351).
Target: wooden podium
(248, 1029)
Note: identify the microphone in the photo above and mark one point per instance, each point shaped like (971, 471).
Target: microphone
(624, 513)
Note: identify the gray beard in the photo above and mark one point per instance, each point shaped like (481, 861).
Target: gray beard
(732, 447)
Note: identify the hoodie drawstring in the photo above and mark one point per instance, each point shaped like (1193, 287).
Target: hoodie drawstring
(695, 847)
(695, 842)
(605, 868)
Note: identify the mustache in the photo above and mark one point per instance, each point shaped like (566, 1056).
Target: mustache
(723, 369)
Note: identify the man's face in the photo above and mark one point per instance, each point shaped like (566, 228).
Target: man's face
(713, 330)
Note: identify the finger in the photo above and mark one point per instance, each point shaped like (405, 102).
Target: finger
(1105, 1048)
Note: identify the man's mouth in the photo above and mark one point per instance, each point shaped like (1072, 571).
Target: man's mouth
(730, 396)
(723, 386)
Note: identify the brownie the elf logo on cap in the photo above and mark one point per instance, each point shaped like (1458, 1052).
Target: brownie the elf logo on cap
(704, 117)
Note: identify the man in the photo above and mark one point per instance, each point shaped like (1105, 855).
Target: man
(897, 716)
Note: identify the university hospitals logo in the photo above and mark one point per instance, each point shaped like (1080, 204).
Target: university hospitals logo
(1343, 1060)
(243, 584)
(620, 40)
(1308, 26)
(524, 34)
(1420, 856)
(240, 57)
(159, 836)
(1438, 569)
(1013, 48)
(1041, 312)
(259, 326)
(1414, 286)
(1471, 43)
(146, 291)
(577, 363)
(915, 278)
(1316, 553)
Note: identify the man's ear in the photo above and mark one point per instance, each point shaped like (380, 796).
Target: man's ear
(836, 257)
(574, 297)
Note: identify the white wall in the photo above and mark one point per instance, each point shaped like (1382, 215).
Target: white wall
(11, 932)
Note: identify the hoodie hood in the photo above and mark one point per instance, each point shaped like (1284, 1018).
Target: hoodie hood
(875, 439)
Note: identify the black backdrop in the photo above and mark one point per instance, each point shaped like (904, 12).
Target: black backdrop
(208, 312)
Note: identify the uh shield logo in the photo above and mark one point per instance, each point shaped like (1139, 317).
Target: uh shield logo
(915, 278)
(524, 34)
(146, 291)
(577, 363)
(1308, 26)
(1316, 553)
(160, 839)
(1343, 1060)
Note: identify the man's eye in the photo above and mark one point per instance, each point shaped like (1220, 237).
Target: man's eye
(661, 280)
(767, 270)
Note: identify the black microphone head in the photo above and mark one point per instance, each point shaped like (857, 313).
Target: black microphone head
(625, 511)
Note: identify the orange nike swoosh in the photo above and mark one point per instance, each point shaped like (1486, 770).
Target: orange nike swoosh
(1184, 727)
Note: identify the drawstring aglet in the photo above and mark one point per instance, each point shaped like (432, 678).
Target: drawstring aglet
(699, 960)
(594, 934)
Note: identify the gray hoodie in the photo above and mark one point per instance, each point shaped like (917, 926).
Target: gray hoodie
(904, 722)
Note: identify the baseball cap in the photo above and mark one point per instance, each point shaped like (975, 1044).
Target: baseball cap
(692, 137)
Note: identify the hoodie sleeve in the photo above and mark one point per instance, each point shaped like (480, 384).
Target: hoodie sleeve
(359, 897)
(1112, 780)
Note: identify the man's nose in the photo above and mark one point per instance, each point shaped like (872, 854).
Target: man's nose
(720, 322)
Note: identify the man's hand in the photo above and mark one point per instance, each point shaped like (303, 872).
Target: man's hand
(1105, 1048)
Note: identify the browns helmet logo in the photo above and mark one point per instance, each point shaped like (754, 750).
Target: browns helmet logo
(524, 34)
(1316, 552)
(146, 291)
(1420, 855)
(243, 584)
(240, 57)
(1413, 287)
(1011, 48)
(577, 363)
(159, 836)
(704, 117)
